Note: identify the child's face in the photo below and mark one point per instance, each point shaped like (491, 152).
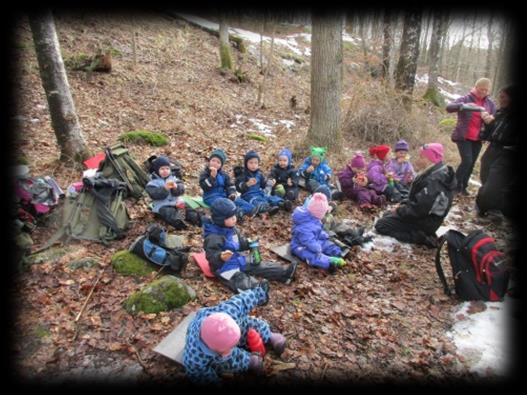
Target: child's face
(283, 161)
(358, 170)
(215, 162)
(252, 164)
(315, 161)
(401, 154)
(230, 222)
(164, 171)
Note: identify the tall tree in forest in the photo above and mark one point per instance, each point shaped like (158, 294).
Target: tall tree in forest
(504, 63)
(55, 82)
(225, 48)
(438, 32)
(409, 53)
(260, 101)
(490, 40)
(326, 80)
(386, 46)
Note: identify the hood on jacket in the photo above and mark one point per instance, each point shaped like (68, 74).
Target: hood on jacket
(302, 215)
(443, 174)
(285, 152)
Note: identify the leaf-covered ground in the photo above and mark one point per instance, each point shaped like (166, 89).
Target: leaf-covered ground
(383, 316)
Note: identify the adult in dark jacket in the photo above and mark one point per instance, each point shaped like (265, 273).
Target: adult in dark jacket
(285, 176)
(431, 193)
(498, 176)
(468, 127)
(224, 246)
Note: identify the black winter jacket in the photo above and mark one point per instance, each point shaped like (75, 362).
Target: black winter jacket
(281, 175)
(430, 198)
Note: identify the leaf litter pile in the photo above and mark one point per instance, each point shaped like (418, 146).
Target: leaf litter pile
(383, 316)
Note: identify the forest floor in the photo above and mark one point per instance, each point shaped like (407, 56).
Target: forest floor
(382, 317)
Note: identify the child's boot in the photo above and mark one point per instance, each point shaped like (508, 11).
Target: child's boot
(277, 342)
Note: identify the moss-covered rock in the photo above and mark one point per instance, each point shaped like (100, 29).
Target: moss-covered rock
(447, 124)
(83, 263)
(167, 293)
(434, 97)
(257, 137)
(128, 264)
(144, 137)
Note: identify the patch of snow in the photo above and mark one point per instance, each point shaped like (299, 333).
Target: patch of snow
(441, 80)
(288, 62)
(421, 79)
(347, 37)
(382, 242)
(474, 182)
(262, 127)
(451, 96)
(481, 337)
(287, 124)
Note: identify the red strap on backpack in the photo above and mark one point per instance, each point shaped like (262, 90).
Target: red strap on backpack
(474, 254)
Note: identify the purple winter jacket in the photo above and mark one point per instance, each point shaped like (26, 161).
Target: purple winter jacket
(355, 192)
(402, 172)
(307, 231)
(377, 176)
(463, 117)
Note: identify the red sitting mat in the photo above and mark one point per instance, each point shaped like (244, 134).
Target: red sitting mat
(201, 259)
(93, 162)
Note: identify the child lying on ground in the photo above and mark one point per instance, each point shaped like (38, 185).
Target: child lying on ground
(216, 340)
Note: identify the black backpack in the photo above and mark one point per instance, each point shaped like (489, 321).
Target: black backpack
(478, 268)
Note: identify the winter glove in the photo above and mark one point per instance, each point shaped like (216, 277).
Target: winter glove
(337, 261)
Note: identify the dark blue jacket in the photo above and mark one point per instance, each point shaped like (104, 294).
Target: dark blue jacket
(220, 238)
(256, 190)
(214, 188)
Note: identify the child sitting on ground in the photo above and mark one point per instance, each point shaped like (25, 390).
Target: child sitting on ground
(165, 190)
(218, 341)
(309, 241)
(251, 182)
(216, 183)
(377, 174)
(223, 244)
(400, 169)
(354, 183)
(285, 176)
(317, 174)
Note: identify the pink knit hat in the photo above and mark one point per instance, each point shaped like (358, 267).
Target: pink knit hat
(433, 152)
(318, 205)
(220, 332)
(358, 161)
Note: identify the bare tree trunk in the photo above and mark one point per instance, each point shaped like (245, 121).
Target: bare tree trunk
(424, 42)
(469, 55)
(387, 45)
(503, 64)
(225, 48)
(438, 32)
(363, 39)
(490, 39)
(407, 65)
(261, 90)
(326, 81)
(55, 82)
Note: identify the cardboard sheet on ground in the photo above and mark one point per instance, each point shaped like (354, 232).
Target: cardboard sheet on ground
(173, 345)
(284, 251)
(194, 201)
(201, 259)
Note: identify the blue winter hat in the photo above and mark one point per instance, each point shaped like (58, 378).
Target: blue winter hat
(249, 155)
(159, 162)
(285, 152)
(222, 209)
(401, 145)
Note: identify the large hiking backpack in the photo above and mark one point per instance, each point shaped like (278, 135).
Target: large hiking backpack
(97, 213)
(478, 267)
(119, 164)
(154, 247)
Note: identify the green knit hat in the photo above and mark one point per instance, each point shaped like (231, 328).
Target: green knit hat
(318, 151)
(218, 153)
